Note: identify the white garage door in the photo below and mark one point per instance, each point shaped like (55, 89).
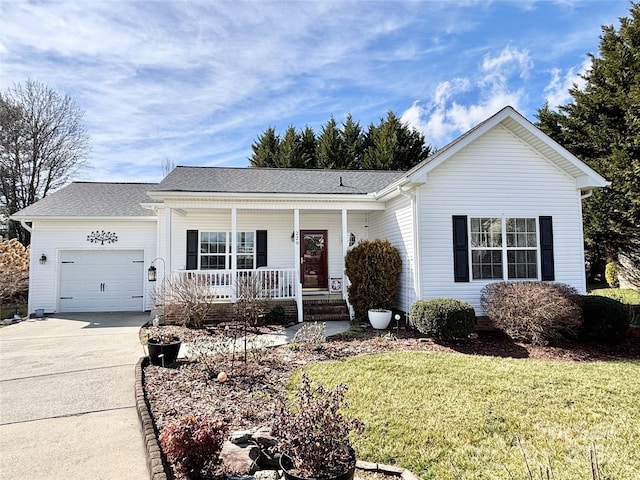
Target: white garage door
(101, 281)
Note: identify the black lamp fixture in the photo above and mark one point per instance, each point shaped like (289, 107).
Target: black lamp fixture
(152, 274)
(43, 259)
(152, 271)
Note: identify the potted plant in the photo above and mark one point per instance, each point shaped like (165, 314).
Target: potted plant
(313, 434)
(373, 268)
(162, 345)
(379, 318)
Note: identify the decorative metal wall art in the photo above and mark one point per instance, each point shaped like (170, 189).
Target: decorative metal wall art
(102, 236)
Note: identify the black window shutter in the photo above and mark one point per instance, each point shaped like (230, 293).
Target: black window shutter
(192, 249)
(460, 249)
(261, 248)
(546, 249)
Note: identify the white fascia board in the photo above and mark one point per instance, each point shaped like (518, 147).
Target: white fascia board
(83, 219)
(252, 196)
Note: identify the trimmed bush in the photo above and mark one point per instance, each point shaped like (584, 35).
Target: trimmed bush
(193, 445)
(533, 312)
(443, 317)
(604, 319)
(275, 316)
(373, 268)
(611, 274)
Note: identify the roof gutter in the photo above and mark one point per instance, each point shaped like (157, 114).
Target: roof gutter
(25, 226)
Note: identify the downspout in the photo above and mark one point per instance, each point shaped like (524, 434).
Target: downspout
(586, 195)
(415, 224)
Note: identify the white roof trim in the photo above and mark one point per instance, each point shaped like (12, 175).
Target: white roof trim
(34, 218)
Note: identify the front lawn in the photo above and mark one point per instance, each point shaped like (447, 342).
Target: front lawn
(624, 295)
(459, 417)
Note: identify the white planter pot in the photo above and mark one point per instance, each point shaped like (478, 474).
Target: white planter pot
(379, 319)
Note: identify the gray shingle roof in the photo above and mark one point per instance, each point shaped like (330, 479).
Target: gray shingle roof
(276, 180)
(89, 199)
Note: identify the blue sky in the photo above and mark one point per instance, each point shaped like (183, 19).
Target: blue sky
(197, 82)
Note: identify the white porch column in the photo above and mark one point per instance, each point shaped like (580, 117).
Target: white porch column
(167, 241)
(296, 262)
(345, 248)
(234, 251)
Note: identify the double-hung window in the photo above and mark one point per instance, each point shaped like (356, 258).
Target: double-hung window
(215, 250)
(504, 248)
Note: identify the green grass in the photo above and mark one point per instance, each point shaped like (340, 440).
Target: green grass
(461, 417)
(624, 295)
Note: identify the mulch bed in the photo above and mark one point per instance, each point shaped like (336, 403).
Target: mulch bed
(246, 399)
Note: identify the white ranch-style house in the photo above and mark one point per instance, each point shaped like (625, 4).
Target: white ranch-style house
(502, 202)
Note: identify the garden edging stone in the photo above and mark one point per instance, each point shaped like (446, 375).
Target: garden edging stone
(155, 462)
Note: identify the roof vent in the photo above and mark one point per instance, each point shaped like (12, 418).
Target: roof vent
(341, 182)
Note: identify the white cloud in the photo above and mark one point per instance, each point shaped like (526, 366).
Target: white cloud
(450, 112)
(557, 91)
(199, 81)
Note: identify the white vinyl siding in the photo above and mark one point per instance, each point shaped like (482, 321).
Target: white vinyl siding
(396, 225)
(52, 237)
(496, 176)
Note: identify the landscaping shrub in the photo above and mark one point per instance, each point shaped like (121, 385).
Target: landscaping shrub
(604, 319)
(309, 337)
(534, 312)
(443, 317)
(611, 274)
(193, 444)
(373, 268)
(313, 431)
(275, 316)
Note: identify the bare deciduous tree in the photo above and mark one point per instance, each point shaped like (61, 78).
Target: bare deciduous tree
(42, 143)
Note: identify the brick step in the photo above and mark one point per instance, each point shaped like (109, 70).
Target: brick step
(325, 308)
(326, 317)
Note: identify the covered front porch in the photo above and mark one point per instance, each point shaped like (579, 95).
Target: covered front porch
(291, 253)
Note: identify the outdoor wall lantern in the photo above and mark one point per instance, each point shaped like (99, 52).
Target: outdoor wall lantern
(152, 273)
(43, 259)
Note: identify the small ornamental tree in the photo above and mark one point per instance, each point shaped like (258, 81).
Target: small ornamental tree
(313, 432)
(373, 268)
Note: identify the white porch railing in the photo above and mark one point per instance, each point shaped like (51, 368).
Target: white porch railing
(278, 283)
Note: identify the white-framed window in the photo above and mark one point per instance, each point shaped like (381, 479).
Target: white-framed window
(246, 245)
(504, 248)
(215, 250)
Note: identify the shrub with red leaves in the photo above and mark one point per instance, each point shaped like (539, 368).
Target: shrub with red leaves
(193, 444)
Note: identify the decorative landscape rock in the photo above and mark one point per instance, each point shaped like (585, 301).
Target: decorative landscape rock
(240, 459)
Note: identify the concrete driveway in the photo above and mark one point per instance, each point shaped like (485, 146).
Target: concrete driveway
(67, 405)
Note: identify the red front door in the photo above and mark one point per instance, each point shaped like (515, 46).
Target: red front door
(313, 251)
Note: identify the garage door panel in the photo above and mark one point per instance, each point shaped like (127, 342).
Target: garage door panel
(101, 280)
